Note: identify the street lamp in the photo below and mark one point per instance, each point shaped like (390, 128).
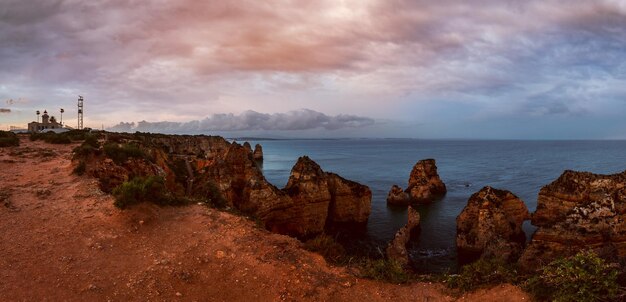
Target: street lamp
(62, 116)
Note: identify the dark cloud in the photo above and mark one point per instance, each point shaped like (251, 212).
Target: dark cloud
(304, 119)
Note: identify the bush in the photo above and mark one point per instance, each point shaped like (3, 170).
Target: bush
(89, 146)
(9, 139)
(209, 193)
(142, 189)
(384, 269)
(51, 137)
(582, 277)
(120, 153)
(80, 168)
(482, 273)
(326, 246)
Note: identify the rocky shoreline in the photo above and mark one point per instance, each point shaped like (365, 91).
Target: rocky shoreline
(578, 211)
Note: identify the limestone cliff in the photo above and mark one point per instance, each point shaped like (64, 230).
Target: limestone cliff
(579, 210)
(210, 168)
(490, 226)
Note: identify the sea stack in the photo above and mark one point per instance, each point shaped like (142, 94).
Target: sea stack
(397, 196)
(424, 182)
(579, 210)
(490, 226)
(258, 153)
(396, 250)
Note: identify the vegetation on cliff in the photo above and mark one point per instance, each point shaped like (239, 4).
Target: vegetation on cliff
(8, 139)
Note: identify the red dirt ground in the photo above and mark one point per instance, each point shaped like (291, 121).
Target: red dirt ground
(61, 239)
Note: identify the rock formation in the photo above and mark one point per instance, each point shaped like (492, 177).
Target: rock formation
(247, 146)
(397, 196)
(396, 250)
(258, 152)
(211, 169)
(491, 226)
(579, 210)
(424, 182)
(325, 200)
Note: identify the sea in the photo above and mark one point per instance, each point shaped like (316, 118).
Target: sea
(465, 166)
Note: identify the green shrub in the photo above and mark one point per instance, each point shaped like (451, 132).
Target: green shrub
(91, 140)
(326, 246)
(89, 146)
(582, 277)
(384, 270)
(142, 189)
(482, 273)
(80, 168)
(9, 139)
(51, 137)
(120, 153)
(209, 193)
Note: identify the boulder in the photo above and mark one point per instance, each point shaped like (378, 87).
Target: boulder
(258, 152)
(424, 182)
(579, 210)
(490, 226)
(396, 249)
(397, 196)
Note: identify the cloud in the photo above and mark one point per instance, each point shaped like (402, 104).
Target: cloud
(304, 119)
(179, 60)
(5, 110)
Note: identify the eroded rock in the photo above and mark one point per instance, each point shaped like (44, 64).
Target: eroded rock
(397, 196)
(579, 210)
(490, 226)
(424, 182)
(258, 152)
(396, 249)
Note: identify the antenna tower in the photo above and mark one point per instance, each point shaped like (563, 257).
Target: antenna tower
(80, 112)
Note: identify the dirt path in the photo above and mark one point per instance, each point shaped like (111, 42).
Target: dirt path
(61, 239)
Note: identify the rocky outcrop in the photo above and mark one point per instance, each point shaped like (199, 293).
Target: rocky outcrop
(350, 202)
(246, 145)
(490, 226)
(325, 200)
(212, 170)
(258, 152)
(396, 250)
(424, 182)
(579, 210)
(397, 196)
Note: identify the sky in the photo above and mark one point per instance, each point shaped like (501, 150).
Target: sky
(492, 69)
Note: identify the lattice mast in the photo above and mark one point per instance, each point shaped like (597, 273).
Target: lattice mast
(80, 112)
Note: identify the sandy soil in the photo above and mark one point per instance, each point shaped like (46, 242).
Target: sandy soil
(61, 239)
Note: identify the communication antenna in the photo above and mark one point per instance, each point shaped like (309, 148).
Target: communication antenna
(80, 112)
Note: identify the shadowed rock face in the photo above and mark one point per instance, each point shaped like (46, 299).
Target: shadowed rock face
(579, 210)
(491, 226)
(396, 250)
(424, 182)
